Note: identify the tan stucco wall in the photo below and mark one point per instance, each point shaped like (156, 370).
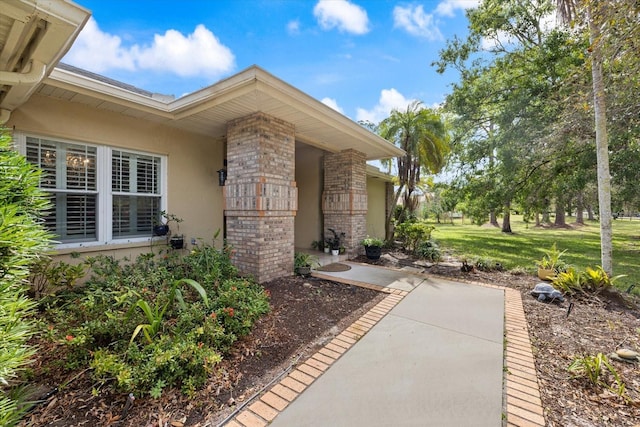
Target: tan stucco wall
(376, 207)
(193, 191)
(308, 222)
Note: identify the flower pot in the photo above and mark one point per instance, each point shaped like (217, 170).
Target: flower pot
(546, 273)
(335, 252)
(160, 230)
(327, 249)
(177, 242)
(373, 252)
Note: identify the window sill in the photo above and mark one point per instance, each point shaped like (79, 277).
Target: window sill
(88, 247)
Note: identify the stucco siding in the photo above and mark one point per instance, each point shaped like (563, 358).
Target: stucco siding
(193, 193)
(376, 207)
(308, 223)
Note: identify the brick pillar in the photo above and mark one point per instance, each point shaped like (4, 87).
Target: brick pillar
(344, 198)
(261, 198)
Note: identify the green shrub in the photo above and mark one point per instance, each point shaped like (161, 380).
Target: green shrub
(588, 282)
(413, 233)
(149, 324)
(46, 274)
(429, 250)
(22, 241)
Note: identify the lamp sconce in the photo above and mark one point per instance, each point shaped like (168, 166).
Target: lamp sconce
(222, 177)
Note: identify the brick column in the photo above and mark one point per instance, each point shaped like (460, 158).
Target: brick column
(261, 198)
(344, 198)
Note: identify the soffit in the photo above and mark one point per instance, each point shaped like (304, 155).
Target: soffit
(207, 111)
(34, 35)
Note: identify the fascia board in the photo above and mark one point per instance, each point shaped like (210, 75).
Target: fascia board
(67, 80)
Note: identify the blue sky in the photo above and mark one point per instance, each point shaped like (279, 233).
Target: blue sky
(363, 58)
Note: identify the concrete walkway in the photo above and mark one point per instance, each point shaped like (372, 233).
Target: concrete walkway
(434, 360)
(430, 354)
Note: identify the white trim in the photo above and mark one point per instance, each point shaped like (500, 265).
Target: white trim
(104, 191)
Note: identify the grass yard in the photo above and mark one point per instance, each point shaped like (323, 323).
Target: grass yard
(527, 244)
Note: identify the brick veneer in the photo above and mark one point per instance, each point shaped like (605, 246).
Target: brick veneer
(261, 197)
(344, 198)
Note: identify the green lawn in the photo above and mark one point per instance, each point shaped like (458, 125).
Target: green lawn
(527, 244)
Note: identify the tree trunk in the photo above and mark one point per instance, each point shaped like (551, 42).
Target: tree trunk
(590, 213)
(506, 221)
(560, 215)
(579, 209)
(602, 145)
(492, 218)
(537, 219)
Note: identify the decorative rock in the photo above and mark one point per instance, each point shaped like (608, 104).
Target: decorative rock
(614, 356)
(546, 292)
(626, 353)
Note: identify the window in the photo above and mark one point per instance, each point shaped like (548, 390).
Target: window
(98, 194)
(136, 193)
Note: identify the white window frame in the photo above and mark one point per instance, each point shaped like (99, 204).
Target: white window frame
(104, 214)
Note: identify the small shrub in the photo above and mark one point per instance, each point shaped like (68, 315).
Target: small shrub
(148, 325)
(596, 279)
(588, 282)
(596, 369)
(429, 250)
(414, 233)
(568, 282)
(552, 260)
(47, 274)
(487, 265)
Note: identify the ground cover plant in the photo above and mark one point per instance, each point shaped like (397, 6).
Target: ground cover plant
(162, 320)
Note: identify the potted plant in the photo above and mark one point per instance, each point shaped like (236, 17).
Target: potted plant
(551, 263)
(303, 262)
(335, 241)
(318, 245)
(162, 228)
(372, 247)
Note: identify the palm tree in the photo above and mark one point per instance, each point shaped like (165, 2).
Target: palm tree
(592, 16)
(421, 133)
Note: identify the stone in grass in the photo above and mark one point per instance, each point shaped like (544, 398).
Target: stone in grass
(546, 292)
(626, 353)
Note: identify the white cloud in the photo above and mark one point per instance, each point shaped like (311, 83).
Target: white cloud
(333, 104)
(97, 51)
(293, 27)
(415, 21)
(343, 15)
(448, 7)
(197, 54)
(390, 99)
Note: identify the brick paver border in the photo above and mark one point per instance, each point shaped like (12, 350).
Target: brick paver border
(523, 403)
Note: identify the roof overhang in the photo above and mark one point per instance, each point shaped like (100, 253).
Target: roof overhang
(376, 173)
(34, 35)
(208, 110)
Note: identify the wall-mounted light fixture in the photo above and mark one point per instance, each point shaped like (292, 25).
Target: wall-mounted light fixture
(222, 177)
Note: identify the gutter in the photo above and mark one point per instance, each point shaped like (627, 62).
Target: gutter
(33, 76)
